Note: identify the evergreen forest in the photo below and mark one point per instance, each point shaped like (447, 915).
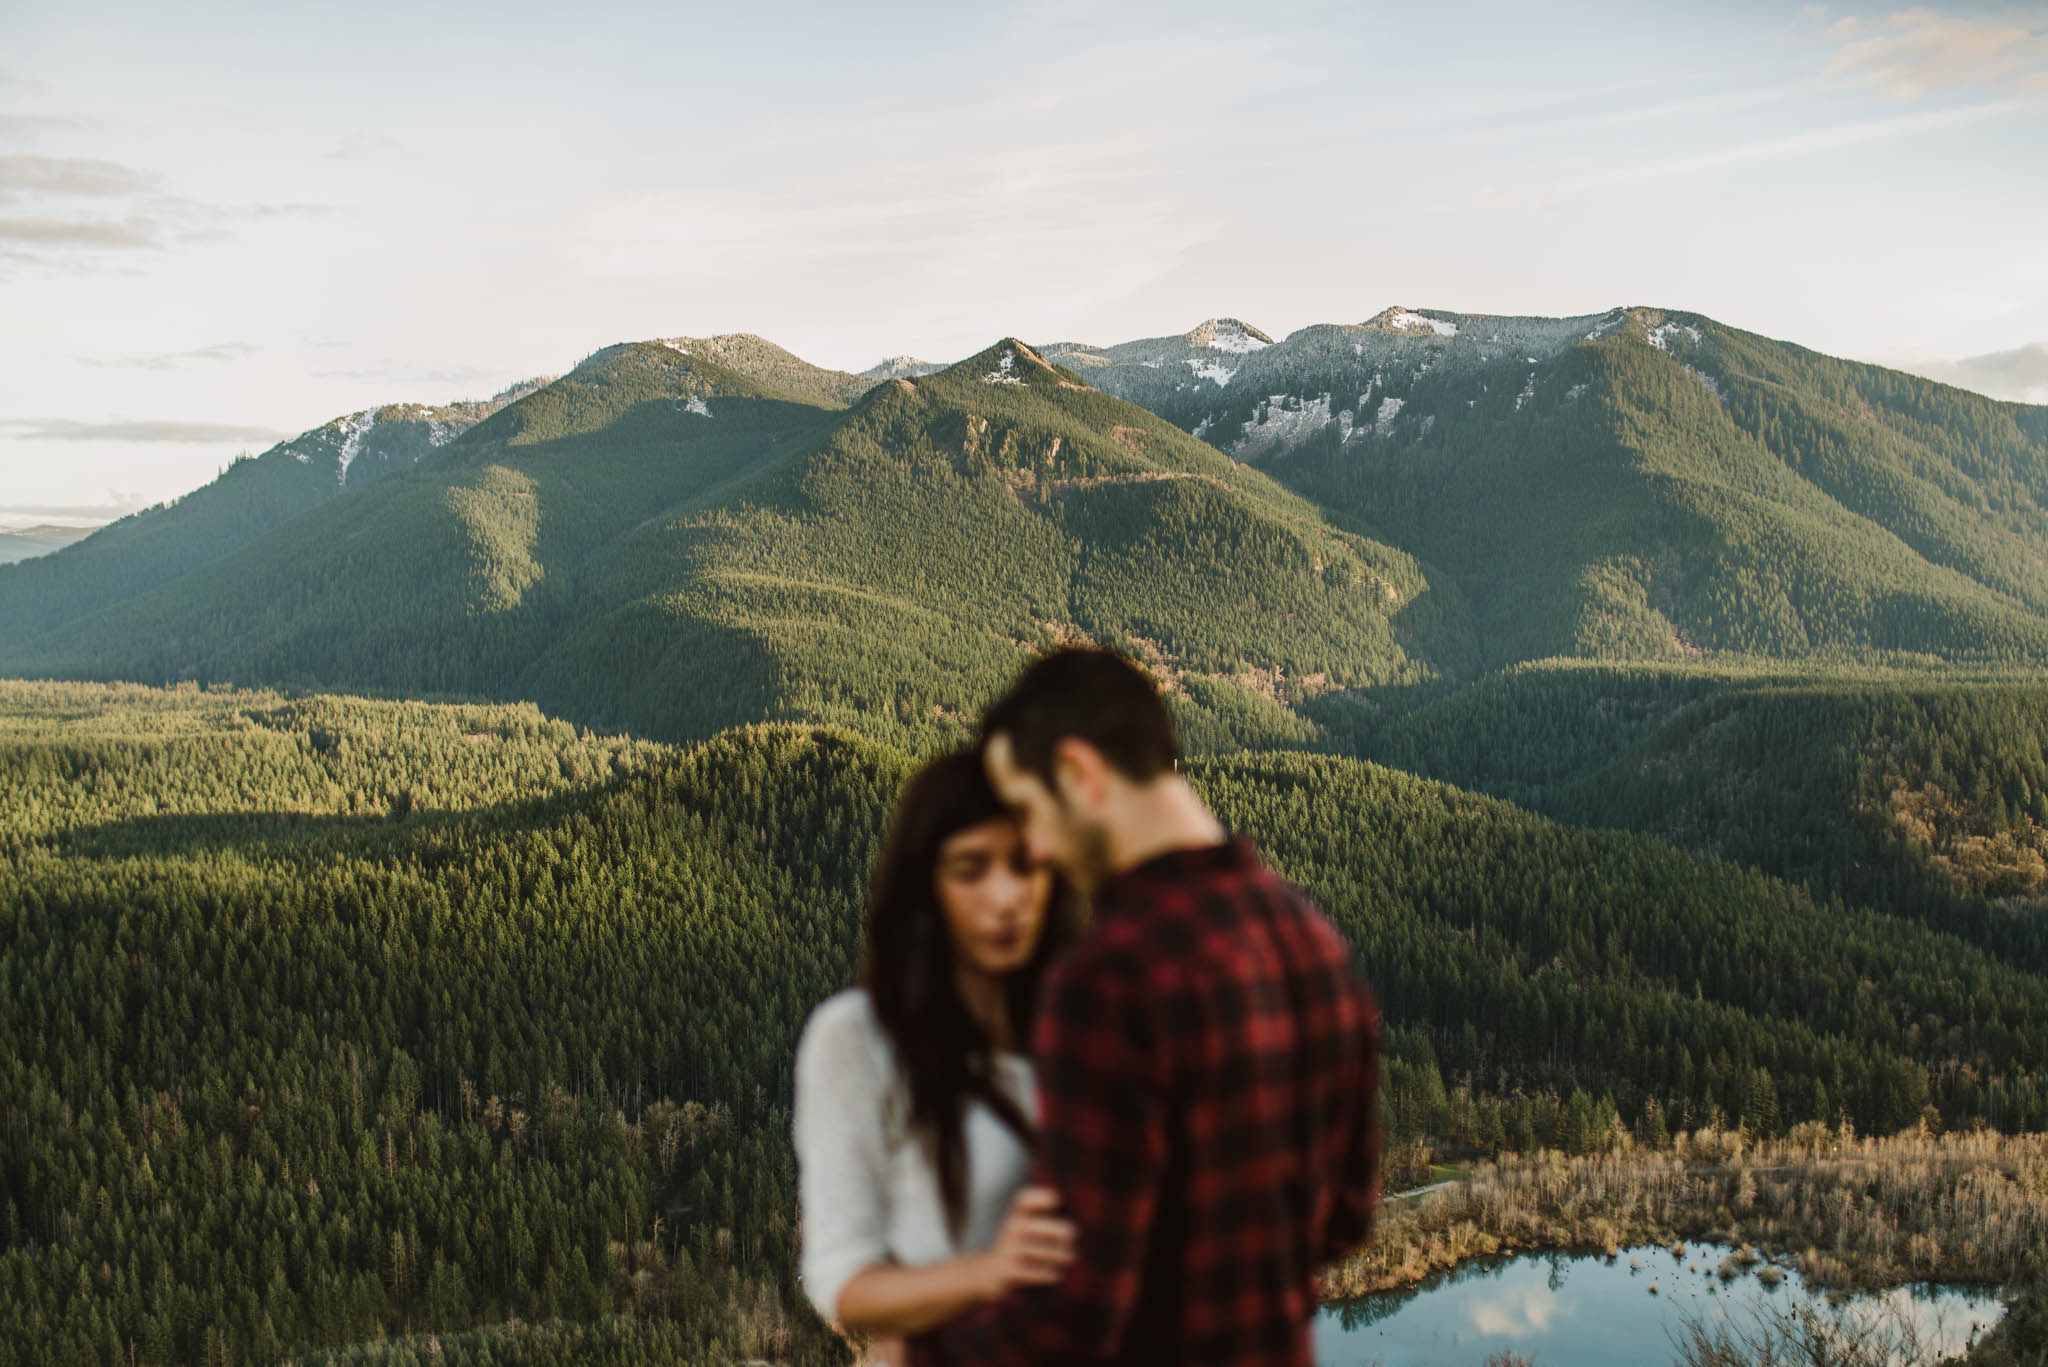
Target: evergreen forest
(341, 1021)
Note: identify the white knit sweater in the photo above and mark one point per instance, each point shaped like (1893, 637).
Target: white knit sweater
(869, 1193)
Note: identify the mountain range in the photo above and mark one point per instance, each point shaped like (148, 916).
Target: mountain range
(1639, 483)
(1426, 496)
(26, 543)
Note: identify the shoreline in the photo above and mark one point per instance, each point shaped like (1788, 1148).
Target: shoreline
(1847, 1213)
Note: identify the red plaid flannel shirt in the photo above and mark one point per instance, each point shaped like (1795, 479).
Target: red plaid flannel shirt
(1207, 1063)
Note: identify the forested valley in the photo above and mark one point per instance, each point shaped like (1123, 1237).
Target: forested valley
(340, 1021)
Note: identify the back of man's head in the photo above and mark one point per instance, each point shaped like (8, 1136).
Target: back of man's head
(1092, 695)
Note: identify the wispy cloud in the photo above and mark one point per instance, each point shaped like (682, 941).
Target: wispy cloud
(34, 125)
(286, 210)
(971, 199)
(71, 176)
(1085, 219)
(118, 504)
(156, 430)
(52, 223)
(1921, 52)
(1632, 115)
(409, 375)
(1517, 1314)
(133, 232)
(173, 360)
(154, 224)
(1799, 144)
(359, 147)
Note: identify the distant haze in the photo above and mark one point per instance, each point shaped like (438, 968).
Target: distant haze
(220, 226)
(2020, 374)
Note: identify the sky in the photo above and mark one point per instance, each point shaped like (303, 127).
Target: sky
(222, 224)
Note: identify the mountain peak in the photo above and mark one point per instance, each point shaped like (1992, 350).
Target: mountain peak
(1228, 334)
(739, 361)
(901, 367)
(1011, 362)
(1414, 322)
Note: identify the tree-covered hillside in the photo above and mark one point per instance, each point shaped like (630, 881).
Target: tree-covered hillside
(893, 577)
(148, 549)
(151, 549)
(1922, 792)
(1646, 485)
(660, 545)
(688, 534)
(336, 1019)
(456, 574)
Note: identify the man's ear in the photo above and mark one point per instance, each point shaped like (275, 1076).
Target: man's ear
(1080, 774)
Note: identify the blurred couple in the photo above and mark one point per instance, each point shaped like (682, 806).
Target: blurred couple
(1106, 1092)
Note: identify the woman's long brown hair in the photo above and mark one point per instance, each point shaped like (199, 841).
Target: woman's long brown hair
(945, 1055)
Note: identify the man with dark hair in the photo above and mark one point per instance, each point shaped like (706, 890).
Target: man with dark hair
(1207, 1058)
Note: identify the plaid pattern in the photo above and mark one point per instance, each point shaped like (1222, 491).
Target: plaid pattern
(1207, 1063)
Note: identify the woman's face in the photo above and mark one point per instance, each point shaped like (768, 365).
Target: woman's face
(993, 897)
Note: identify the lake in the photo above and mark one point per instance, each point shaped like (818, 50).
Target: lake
(1587, 1311)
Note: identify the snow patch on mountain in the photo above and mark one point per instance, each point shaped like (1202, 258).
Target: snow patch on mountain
(901, 368)
(1005, 364)
(1571, 395)
(1405, 321)
(1211, 370)
(1276, 425)
(356, 426)
(698, 406)
(1383, 420)
(1661, 335)
(1228, 334)
(1528, 392)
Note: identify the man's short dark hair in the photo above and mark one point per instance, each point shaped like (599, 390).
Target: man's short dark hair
(1090, 694)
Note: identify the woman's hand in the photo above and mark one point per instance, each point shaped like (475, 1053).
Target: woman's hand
(1034, 1247)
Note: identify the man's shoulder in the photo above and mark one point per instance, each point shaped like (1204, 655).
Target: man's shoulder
(1293, 901)
(1258, 890)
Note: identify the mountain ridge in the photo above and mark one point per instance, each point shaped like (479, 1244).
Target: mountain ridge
(631, 551)
(1675, 449)
(1634, 484)
(145, 549)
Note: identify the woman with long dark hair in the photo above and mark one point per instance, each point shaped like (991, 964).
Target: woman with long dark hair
(914, 1100)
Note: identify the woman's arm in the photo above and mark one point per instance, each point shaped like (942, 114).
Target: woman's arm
(842, 1080)
(1033, 1248)
(841, 1150)
(893, 1302)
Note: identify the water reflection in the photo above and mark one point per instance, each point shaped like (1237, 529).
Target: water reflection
(1520, 1314)
(1589, 1310)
